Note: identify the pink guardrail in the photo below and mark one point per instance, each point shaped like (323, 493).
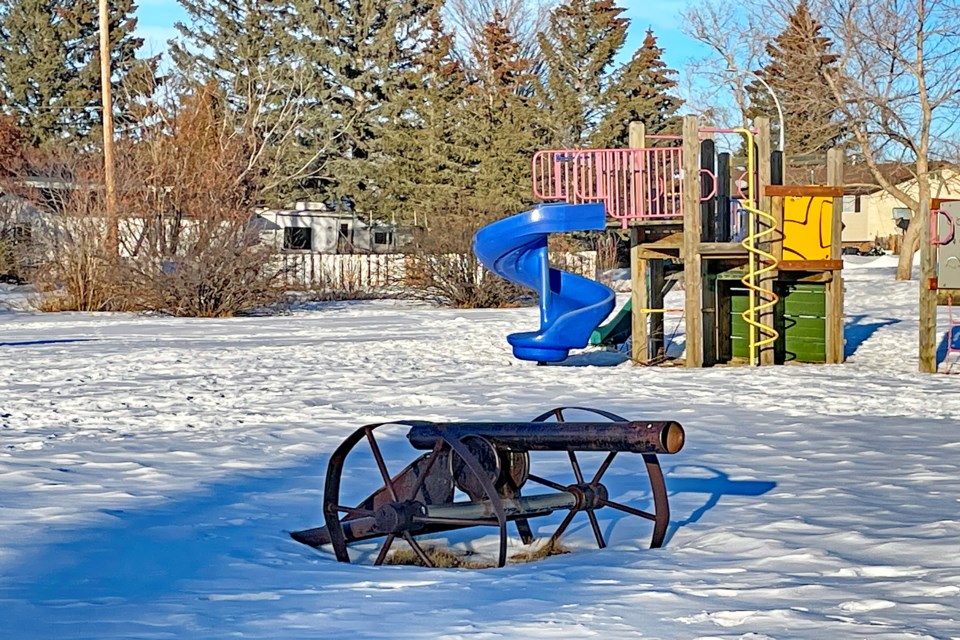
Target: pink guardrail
(631, 183)
(935, 238)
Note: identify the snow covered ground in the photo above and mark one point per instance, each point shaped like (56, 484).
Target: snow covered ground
(150, 469)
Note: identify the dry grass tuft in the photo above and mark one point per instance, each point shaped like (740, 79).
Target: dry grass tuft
(441, 557)
(543, 551)
(446, 558)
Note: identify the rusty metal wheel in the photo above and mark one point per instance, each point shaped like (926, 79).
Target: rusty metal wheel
(661, 508)
(399, 508)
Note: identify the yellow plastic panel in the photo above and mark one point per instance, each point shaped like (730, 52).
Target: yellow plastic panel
(807, 227)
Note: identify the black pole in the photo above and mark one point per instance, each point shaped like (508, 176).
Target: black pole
(722, 232)
(776, 167)
(708, 203)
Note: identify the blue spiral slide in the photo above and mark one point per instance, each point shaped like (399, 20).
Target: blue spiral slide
(571, 306)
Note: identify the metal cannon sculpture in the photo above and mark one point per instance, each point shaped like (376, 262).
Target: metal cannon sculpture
(489, 463)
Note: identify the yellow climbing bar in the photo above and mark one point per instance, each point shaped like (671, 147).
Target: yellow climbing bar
(760, 261)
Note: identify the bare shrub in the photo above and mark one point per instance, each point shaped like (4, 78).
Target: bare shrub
(187, 199)
(9, 265)
(183, 202)
(73, 268)
(443, 269)
(608, 257)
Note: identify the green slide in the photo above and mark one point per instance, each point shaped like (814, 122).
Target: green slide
(616, 331)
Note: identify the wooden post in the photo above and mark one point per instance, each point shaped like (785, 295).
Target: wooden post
(927, 340)
(692, 272)
(113, 240)
(834, 290)
(657, 342)
(768, 280)
(639, 297)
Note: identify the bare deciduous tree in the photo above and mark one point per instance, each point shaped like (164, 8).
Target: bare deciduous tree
(736, 36)
(897, 85)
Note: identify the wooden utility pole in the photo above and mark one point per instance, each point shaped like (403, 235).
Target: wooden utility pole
(113, 242)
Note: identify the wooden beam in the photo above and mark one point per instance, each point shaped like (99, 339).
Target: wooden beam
(811, 265)
(645, 253)
(714, 249)
(113, 224)
(637, 135)
(692, 273)
(927, 339)
(835, 288)
(809, 191)
(657, 339)
(639, 297)
(776, 210)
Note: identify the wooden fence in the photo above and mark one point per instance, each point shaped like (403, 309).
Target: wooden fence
(373, 272)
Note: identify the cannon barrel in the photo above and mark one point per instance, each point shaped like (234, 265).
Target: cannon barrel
(633, 437)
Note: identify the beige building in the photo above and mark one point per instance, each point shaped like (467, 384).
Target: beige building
(871, 214)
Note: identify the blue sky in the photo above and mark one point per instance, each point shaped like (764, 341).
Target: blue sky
(156, 19)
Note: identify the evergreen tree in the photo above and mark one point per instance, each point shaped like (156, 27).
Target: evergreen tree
(503, 119)
(799, 58)
(640, 91)
(50, 66)
(578, 48)
(363, 51)
(244, 47)
(427, 157)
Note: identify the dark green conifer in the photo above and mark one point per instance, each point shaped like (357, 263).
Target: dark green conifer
(50, 67)
(641, 92)
(503, 121)
(578, 49)
(798, 59)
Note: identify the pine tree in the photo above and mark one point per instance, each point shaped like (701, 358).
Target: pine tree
(640, 92)
(427, 157)
(503, 122)
(799, 58)
(50, 67)
(579, 47)
(363, 50)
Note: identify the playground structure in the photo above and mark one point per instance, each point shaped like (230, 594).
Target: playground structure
(940, 283)
(760, 262)
(476, 474)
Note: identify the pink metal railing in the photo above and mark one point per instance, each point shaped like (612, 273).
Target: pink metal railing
(631, 183)
(935, 238)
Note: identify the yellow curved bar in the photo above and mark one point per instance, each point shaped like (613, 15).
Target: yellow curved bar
(756, 266)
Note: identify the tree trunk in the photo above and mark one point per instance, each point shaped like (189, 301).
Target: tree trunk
(909, 246)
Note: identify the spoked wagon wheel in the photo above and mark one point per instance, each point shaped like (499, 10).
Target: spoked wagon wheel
(661, 508)
(415, 502)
